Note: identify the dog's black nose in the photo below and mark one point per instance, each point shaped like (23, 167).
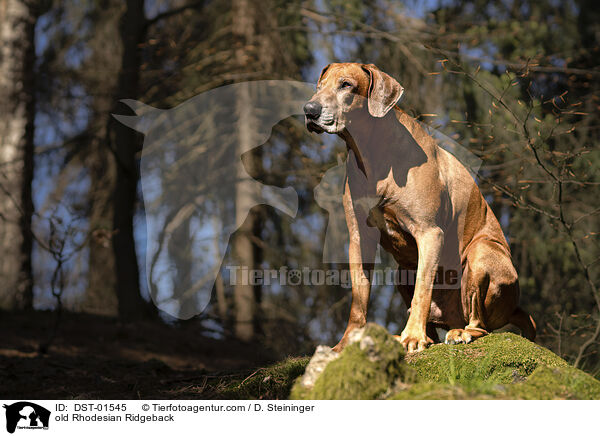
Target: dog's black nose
(312, 109)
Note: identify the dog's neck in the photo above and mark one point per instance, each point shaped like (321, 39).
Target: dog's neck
(369, 138)
(353, 147)
(381, 145)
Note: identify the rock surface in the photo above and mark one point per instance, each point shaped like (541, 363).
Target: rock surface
(323, 355)
(498, 366)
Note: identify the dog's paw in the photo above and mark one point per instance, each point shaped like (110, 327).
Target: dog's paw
(413, 342)
(458, 336)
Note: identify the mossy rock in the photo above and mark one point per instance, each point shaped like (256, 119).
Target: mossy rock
(500, 358)
(367, 368)
(497, 366)
(556, 383)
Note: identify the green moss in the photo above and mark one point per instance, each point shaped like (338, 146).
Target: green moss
(557, 383)
(544, 383)
(498, 366)
(273, 382)
(442, 391)
(494, 359)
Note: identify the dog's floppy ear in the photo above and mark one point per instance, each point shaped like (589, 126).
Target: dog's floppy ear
(384, 91)
(322, 73)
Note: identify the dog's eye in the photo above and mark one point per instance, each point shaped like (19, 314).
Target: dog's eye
(346, 85)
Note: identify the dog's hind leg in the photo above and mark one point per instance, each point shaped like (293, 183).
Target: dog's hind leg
(474, 330)
(477, 284)
(490, 294)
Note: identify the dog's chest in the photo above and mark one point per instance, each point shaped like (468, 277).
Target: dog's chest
(394, 238)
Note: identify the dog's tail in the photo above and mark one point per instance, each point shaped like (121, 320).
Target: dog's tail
(524, 322)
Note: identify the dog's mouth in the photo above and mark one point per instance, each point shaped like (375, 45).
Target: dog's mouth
(320, 125)
(327, 119)
(314, 127)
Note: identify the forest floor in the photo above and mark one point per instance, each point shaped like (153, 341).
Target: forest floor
(95, 357)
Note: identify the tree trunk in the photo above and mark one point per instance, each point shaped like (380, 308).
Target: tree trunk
(244, 249)
(245, 297)
(101, 294)
(17, 114)
(125, 145)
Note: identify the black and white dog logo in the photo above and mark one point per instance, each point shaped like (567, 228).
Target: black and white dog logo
(26, 415)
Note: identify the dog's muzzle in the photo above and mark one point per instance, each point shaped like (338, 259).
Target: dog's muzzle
(317, 117)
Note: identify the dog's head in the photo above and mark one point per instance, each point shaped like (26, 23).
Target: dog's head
(342, 91)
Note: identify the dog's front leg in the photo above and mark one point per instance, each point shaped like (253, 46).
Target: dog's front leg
(361, 253)
(429, 244)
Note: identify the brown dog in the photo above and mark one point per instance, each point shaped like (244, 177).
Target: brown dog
(420, 203)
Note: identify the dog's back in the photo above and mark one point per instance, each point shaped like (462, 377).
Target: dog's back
(474, 217)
